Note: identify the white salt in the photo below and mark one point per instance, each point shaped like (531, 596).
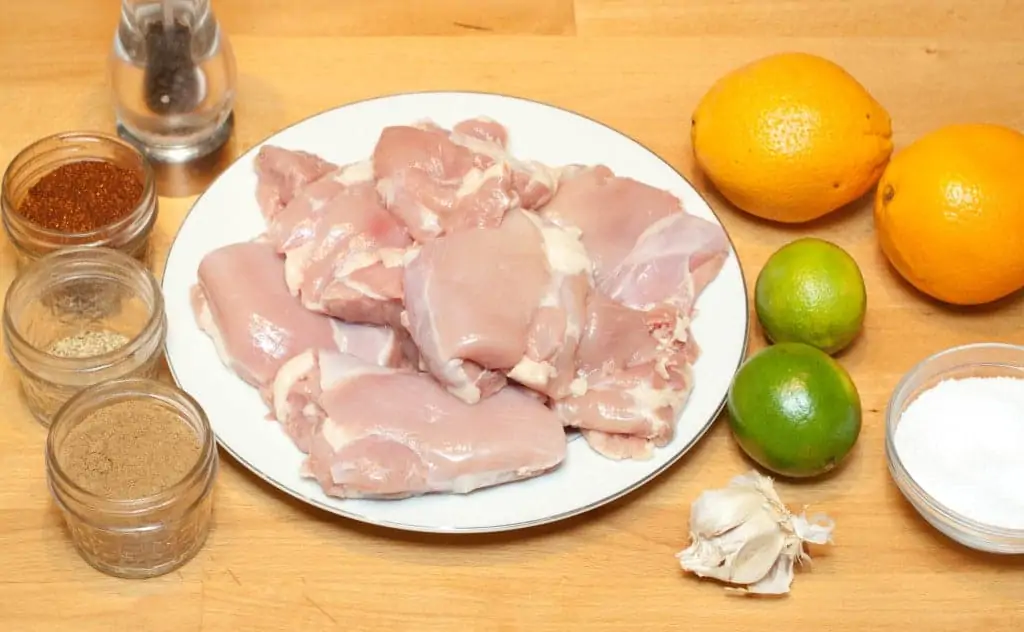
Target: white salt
(962, 441)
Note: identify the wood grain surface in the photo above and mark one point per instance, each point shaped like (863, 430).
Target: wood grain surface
(640, 66)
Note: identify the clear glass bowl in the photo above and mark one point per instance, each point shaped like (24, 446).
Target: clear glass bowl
(973, 360)
(129, 234)
(71, 291)
(142, 537)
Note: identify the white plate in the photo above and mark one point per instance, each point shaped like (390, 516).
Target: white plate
(228, 213)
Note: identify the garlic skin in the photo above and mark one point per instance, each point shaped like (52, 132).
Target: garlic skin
(743, 535)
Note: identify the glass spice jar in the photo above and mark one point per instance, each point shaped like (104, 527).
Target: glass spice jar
(129, 234)
(173, 79)
(135, 537)
(71, 299)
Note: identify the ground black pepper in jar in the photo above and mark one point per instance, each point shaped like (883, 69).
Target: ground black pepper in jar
(78, 317)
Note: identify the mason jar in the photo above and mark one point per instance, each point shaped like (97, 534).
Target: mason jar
(74, 293)
(129, 234)
(139, 537)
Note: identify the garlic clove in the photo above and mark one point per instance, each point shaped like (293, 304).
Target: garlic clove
(756, 557)
(715, 557)
(717, 511)
(704, 559)
(777, 581)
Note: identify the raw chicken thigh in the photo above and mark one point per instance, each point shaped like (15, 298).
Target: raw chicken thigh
(510, 299)
(646, 249)
(437, 181)
(635, 382)
(294, 223)
(534, 183)
(393, 433)
(651, 260)
(344, 251)
(282, 173)
(242, 303)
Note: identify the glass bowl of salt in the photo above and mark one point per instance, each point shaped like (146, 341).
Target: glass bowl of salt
(954, 442)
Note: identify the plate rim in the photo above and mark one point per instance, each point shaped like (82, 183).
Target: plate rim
(516, 526)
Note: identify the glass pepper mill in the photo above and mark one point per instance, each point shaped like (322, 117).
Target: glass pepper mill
(173, 79)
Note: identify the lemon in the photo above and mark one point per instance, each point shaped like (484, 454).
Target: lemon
(811, 291)
(794, 410)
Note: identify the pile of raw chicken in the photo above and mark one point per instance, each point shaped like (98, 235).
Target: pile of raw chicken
(434, 318)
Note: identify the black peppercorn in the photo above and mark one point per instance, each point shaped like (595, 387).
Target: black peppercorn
(171, 81)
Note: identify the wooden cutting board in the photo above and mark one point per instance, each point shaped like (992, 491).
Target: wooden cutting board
(639, 66)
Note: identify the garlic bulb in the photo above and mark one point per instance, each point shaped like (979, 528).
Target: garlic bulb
(743, 535)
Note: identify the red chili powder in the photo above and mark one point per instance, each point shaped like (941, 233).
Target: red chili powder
(82, 196)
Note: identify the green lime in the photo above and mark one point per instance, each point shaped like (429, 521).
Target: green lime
(811, 291)
(794, 410)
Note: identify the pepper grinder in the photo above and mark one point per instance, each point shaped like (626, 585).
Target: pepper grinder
(173, 79)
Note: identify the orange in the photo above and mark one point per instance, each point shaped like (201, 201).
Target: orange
(791, 137)
(949, 213)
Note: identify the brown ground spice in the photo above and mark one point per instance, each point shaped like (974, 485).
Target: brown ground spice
(129, 450)
(82, 196)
